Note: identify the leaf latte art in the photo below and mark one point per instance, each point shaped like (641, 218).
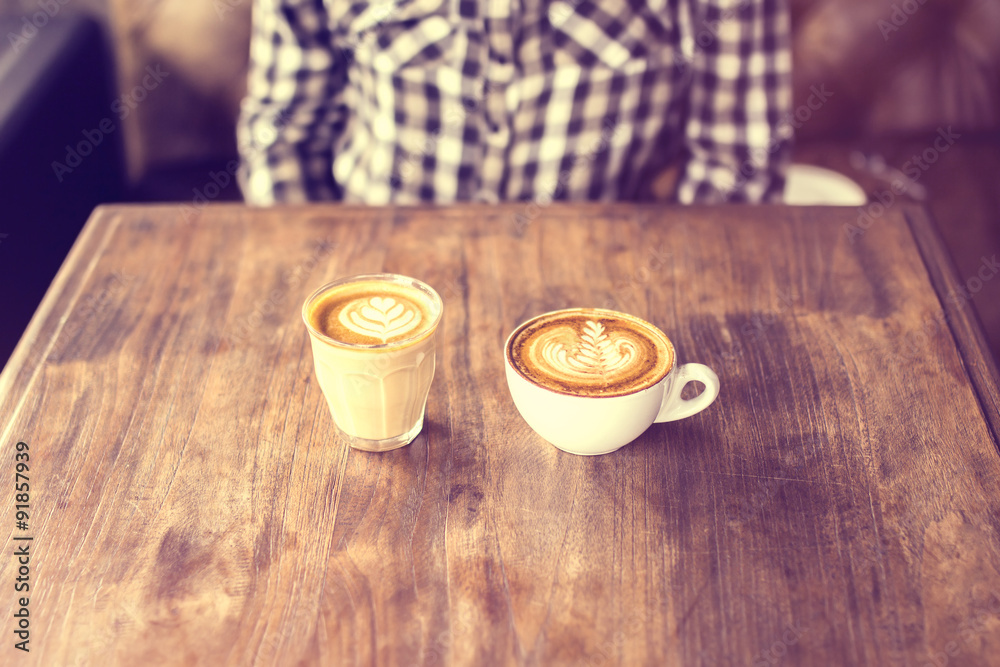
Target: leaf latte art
(381, 317)
(590, 352)
(595, 354)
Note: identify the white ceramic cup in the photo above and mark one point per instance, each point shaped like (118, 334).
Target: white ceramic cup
(591, 425)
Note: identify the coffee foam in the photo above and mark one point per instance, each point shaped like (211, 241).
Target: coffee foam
(372, 312)
(590, 352)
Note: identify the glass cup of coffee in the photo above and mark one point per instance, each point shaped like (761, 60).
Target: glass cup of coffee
(591, 380)
(373, 339)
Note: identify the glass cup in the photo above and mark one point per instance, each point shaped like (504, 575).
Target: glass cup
(376, 383)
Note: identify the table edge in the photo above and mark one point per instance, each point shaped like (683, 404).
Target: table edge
(85, 249)
(963, 322)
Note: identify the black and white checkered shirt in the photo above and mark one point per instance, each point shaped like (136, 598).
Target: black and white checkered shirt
(485, 100)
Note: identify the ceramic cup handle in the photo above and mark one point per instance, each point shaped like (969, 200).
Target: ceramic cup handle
(674, 407)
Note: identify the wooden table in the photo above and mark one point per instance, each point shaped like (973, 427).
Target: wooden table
(190, 502)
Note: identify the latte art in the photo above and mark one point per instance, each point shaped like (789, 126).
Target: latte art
(373, 341)
(595, 353)
(590, 352)
(373, 313)
(380, 317)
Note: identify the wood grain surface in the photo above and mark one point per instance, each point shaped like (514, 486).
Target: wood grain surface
(191, 503)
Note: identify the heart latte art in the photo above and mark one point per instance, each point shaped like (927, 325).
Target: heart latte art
(372, 313)
(380, 317)
(590, 352)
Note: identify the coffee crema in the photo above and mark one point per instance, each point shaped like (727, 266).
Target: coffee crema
(373, 313)
(590, 352)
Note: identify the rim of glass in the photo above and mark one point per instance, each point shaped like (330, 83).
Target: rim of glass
(652, 328)
(395, 278)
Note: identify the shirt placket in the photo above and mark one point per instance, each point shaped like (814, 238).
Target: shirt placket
(498, 94)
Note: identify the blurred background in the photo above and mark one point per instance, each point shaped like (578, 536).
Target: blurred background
(150, 89)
